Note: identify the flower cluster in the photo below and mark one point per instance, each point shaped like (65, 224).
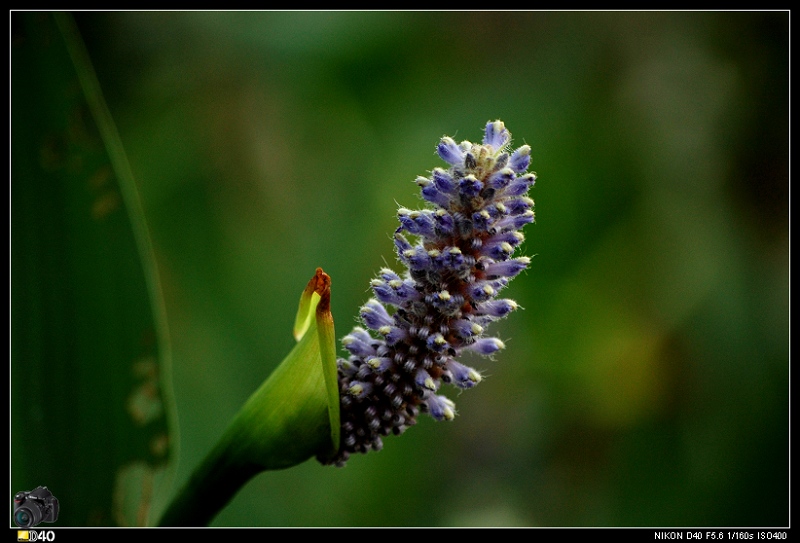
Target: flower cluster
(458, 252)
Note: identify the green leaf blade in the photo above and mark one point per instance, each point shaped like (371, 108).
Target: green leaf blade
(91, 415)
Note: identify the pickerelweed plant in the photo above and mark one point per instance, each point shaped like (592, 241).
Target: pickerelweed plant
(458, 252)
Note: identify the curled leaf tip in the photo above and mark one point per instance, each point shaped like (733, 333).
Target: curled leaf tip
(322, 286)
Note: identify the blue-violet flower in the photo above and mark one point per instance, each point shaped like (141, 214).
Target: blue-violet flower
(458, 254)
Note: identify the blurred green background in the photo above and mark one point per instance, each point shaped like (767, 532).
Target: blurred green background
(646, 383)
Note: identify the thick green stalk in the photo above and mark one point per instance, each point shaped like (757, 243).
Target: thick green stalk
(211, 487)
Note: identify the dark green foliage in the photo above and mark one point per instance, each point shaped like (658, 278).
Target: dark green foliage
(89, 416)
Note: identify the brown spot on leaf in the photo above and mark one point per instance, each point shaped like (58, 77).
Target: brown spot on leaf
(144, 403)
(101, 177)
(133, 492)
(105, 204)
(159, 445)
(54, 152)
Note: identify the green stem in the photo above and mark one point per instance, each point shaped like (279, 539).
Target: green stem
(213, 484)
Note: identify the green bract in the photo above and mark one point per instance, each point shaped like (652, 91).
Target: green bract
(292, 417)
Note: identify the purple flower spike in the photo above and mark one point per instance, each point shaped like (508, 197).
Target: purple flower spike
(380, 365)
(435, 196)
(450, 152)
(487, 345)
(520, 185)
(470, 187)
(443, 181)
(496, 135)
(441, 408)
(497, 308)
(459, 254)
(375, 316)
(501, 179)
(509, 268)
(521, 159)
(359, 390)
(424, 380)
(445, 223)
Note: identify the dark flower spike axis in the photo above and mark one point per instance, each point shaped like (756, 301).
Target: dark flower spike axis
(458, 260)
